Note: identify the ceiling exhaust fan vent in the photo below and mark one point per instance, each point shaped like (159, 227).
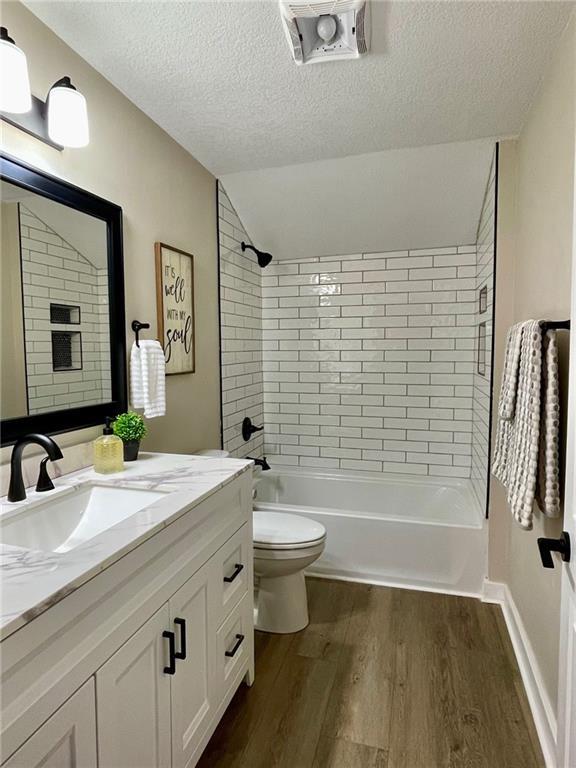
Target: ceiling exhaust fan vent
(360, 31)
(329, 8)
(332, 30)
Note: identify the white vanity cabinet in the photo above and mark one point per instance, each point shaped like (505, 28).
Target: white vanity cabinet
(139, 664)
(134, 700)
(193, 692)
(67, 739)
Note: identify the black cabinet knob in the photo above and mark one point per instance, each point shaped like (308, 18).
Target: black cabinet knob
(547, 546)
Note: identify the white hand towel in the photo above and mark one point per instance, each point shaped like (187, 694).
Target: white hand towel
(147, 378)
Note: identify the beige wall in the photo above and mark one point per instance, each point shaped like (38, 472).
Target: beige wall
(165, 194)
(533, 281)
(12, 369)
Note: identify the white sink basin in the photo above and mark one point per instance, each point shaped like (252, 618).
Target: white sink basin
(69, 519)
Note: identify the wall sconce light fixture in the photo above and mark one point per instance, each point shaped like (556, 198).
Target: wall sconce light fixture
(14, 81)
(67, 115)
(61, 121)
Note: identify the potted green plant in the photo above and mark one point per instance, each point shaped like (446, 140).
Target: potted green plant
(130, 428)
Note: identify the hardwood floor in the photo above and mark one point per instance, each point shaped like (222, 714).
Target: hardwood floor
(382, 678)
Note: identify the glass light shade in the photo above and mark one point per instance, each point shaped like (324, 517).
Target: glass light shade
(326, 27)
(15, 94)
(67, 115)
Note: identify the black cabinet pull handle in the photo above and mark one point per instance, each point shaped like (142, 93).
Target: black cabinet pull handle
(237, 644)
(238, 568)
(171, 668)
(547, 546)
(181, 654)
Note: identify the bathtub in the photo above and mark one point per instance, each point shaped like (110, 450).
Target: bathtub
(421, 533)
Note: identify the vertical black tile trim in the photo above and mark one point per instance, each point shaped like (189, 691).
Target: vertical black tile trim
(219, 313)
(494, 295)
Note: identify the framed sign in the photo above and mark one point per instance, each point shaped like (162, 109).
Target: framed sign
(175, 307)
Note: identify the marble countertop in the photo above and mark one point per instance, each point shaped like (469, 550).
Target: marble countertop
(31, 581)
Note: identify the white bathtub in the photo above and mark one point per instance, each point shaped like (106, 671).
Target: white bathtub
(425, 533)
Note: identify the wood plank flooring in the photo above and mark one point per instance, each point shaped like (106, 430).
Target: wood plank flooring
(382, 678)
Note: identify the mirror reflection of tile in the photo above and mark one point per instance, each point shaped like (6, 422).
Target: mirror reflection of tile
(60, 272)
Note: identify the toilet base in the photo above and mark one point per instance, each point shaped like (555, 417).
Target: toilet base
(281, 604)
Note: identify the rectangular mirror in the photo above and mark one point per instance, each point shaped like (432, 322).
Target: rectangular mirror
(62, 357)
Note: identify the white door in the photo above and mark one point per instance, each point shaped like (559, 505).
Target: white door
(192, 685)
(567, 667)
(133, 692)
(67, 739)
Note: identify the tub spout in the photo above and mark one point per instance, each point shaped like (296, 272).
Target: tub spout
(260, 462)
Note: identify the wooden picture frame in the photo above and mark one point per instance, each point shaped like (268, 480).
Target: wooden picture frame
(175, 307)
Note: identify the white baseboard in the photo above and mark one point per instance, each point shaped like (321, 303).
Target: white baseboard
(540, 704)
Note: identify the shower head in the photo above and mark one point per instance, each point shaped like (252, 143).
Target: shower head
(263, 258)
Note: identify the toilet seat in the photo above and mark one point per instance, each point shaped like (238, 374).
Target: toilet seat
(282, 531)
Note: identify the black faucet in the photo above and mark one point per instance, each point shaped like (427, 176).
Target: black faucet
(17, 492)
(260, 462)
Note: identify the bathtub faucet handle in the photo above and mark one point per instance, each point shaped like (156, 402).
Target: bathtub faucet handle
(248, 428)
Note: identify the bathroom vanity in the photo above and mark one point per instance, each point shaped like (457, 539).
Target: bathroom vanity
(127, 629)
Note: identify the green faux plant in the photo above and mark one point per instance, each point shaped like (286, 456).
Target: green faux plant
(129, 427)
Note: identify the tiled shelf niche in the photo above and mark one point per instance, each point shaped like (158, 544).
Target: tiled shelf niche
(481, 349)
(66, 351)
(64, 314)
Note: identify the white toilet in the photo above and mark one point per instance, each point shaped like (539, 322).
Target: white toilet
(284, 545)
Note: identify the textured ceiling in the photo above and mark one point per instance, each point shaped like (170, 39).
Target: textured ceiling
(218, 76)
(385, 201)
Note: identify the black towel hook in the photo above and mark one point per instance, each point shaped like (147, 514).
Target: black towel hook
(137, 326)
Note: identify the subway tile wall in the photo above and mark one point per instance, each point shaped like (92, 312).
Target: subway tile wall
(240, 333)
(53, 272)
(483, 382)
(368, 361)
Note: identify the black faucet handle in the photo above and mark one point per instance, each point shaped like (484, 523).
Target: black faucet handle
(264, 463)
(248, 429)
(44, 482)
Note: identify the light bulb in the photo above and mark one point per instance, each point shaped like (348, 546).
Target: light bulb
(15, 94)
(326, 27)
(67, 115)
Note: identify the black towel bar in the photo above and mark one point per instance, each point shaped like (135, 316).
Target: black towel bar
(555, 325)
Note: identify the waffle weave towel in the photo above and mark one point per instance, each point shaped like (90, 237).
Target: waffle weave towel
(548, 482)
(148, 378)
(526, 452)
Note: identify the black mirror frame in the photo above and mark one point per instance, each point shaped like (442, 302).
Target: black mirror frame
(68, 419)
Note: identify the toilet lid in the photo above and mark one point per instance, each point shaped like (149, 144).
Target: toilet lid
(278, 529)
